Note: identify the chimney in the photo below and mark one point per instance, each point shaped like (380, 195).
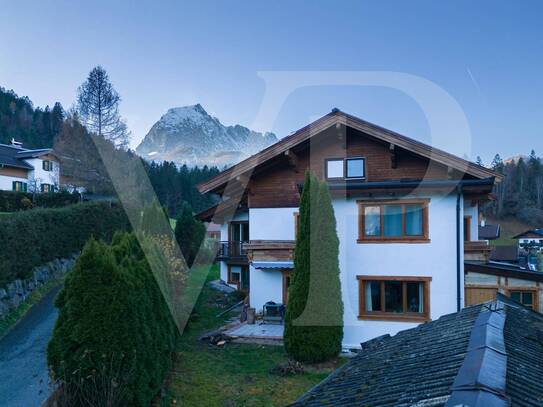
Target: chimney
(16, 144)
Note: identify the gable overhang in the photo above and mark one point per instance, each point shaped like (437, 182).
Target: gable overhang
(28, 154)
(338, 118)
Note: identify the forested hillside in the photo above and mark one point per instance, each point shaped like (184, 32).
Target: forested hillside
(520, 194)
(35, 127)
(81, 164)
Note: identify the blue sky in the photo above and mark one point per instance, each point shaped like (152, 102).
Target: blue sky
(487, 55)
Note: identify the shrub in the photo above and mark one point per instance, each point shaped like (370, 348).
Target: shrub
(314, 316)
(32, 238)
(114, 337)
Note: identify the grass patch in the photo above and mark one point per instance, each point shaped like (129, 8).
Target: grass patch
(16, 314)
(236, 375)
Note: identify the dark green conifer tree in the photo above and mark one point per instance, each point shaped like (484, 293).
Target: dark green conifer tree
(314, 317)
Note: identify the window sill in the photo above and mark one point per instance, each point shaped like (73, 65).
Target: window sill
(392, 240)
(394, 317)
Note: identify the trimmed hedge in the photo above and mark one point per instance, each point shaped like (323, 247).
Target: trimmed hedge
(114, 327)
(11, 201)
(32, 238)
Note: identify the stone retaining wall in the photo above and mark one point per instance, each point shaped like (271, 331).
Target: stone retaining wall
(18, 291)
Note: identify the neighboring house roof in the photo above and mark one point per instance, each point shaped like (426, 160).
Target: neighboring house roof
(537, 233)
(505, 253)
(489, 232)
(484, 355)
(503, 270)
(12, 156)
(337, 117)
(8, 158)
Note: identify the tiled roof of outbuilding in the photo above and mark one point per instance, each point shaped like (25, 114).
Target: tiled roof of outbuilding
(418, 367)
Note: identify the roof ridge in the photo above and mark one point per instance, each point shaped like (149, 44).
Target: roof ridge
(481, 380)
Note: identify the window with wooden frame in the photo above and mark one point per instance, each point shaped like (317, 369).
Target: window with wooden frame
(394, 298)
(397, 221)
(234, 276)
(528, 298)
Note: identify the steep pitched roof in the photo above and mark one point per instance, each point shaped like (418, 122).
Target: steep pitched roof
(338, 117)
(485, 352)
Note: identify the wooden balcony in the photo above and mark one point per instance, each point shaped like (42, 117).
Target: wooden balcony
(477, 250)
(270, 250)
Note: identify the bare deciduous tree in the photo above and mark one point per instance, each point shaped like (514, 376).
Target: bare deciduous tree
(98, 108)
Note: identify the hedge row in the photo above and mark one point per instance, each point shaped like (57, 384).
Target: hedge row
(11, 201)
(32, 238)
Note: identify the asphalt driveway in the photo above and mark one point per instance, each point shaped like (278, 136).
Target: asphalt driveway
(23, 367)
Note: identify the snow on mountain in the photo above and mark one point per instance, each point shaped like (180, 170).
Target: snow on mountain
(189, 135)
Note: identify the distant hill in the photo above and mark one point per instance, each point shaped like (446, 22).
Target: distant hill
(189, 135)
(19, 119)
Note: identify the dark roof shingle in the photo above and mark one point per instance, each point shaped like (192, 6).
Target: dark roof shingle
(418, 367)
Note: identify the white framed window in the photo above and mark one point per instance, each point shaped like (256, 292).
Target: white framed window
(334, 168)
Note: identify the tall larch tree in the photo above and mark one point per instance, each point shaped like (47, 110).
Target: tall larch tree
(98, 108)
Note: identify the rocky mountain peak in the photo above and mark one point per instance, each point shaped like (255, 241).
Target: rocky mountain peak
(189, 135)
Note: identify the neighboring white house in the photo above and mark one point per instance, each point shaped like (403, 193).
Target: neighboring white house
(27, 170)
(407, 215)
(531, 239)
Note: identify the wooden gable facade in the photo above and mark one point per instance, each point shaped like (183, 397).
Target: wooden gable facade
(272, 177)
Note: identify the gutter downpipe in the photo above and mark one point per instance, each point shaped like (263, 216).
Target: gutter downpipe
(458, 247)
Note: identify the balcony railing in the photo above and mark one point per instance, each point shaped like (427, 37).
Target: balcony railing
(232, 251)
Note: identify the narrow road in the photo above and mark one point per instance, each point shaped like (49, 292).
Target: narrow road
(23, 366)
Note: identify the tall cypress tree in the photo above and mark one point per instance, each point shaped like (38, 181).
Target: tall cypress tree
(314, 318)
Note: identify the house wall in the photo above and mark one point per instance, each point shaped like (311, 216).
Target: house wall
(6, 181)
(481, 284)
(40, 175)
(266, 285)
(436, 259)
(272, 223)
(269, 224)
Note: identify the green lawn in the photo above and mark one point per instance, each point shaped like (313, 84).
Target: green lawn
(236, 375)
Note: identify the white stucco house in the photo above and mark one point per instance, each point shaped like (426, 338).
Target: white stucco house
(27, 170)
(407, 217)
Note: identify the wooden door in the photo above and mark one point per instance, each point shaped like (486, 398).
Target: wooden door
(478, 295)
(286, 285)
